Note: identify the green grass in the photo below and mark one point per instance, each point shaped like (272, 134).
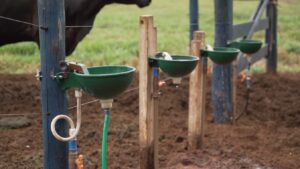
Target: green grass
(114, 38)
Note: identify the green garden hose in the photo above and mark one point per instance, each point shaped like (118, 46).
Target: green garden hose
(104, 138)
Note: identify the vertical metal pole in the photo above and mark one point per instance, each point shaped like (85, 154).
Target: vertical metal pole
(52, 49)
(271, 36)
(221, 77)
(193, 18)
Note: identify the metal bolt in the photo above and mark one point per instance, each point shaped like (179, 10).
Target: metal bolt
(57, 76)
(38, 75)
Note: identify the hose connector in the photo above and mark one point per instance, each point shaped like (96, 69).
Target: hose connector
(72, 142)
(106, 104)
(78, 93)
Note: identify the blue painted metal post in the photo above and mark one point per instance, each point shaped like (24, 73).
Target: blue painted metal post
(221, 77)
(193, 18)
(52, 48)
(271, 36)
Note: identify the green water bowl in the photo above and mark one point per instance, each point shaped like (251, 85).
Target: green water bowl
(221, 55)
(247, 46)
(179, 66)
(104, 82)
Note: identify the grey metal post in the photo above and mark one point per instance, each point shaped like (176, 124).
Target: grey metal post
(271, 37)
(221, 77)
(52, 49)
(194, 12)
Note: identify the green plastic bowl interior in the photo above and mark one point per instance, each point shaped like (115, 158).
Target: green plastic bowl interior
(247, 46)
(222, 55)
(179, 66)
(104, 82)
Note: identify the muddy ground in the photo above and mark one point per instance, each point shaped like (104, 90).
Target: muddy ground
(267, 138)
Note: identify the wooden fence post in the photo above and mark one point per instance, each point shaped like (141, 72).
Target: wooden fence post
(271, 37)
(148, 121)
(197, 94)
(221, 77)
(52, 48)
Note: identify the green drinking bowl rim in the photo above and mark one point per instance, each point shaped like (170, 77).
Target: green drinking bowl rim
(190, 58)
(222, 50)
(130, 70)
(249, 41)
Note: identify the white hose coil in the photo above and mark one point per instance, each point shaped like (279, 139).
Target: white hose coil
(73, 131)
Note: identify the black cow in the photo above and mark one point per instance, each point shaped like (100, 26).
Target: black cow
(78, 12)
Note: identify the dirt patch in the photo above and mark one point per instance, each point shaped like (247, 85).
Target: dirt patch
(269, 137)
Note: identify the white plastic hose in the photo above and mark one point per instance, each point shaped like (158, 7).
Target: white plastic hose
(73, 131)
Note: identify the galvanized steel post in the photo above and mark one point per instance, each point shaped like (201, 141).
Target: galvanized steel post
(194, 12)
(52, 49)
(222, 74)
(271, 36)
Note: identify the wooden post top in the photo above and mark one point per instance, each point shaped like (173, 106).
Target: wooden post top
(199, 35)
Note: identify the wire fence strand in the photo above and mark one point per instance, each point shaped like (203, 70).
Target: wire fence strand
(39, 26)
(79, 26)
(127, 91)
(19, 21)
(16, 114)
(67, 26)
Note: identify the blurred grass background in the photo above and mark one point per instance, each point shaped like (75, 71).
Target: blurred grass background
(114, 37)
